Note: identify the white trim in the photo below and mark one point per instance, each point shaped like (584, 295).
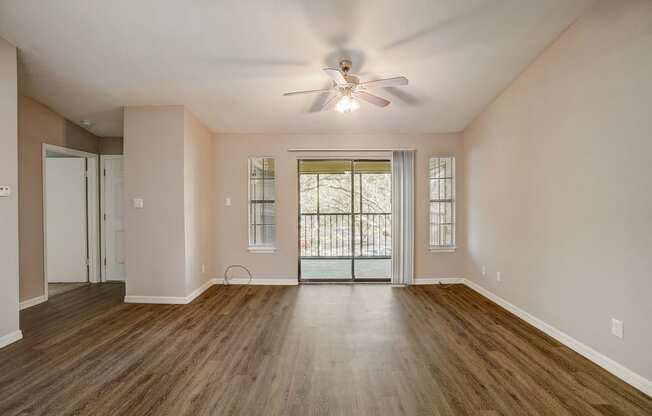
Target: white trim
(10, 338)
(438, 280)
(102, 179)
(261, 249)
(603, 361)
(293, 150)
(292, 281)
(157, 300)
(32, 302)
(178, 300)
(201, 289)
(435, 249)
(92, 213)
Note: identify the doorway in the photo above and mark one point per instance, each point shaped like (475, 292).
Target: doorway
(70, 217)
(112, 207)
(345, 220)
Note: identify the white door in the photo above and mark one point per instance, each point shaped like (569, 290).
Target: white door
(65, 216)
(113, 220)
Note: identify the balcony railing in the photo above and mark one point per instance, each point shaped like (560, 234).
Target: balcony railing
(367, 235)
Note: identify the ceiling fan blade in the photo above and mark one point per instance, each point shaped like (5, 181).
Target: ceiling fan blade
(370, 98)
(336, 76)
(331, 102)
(388, 82)
(287, 94)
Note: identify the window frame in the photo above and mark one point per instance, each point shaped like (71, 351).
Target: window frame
(252, 247)
(452, 200)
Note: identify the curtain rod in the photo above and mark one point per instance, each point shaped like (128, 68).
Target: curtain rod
(345, 150)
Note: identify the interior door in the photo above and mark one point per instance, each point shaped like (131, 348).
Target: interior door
(66, 221)
(113, 219)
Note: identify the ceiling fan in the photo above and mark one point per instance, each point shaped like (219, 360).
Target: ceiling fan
(348, 89)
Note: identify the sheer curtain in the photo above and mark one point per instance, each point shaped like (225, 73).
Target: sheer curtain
(403, 217)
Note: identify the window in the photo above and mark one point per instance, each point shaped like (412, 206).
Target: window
(262, 206)
(442, 203)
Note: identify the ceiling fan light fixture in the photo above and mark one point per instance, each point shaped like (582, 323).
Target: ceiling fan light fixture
(347, 105)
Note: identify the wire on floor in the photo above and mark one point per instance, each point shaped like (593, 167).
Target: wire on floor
(236, 266)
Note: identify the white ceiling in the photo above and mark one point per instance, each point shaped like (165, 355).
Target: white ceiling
(229, 61)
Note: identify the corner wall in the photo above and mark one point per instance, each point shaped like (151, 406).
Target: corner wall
(37, 124)
(168, 162)
(199, 200)
(153, 170)
(9, 325)
(557, 185)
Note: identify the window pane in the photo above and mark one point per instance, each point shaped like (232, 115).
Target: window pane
(256, 167)
(261, 214)
(335, 193)
(376, 193)
(448, 188)
(434, 189)
(308, 193)
(442, 205)
(256, 189)
(269, 170)
(262, 234)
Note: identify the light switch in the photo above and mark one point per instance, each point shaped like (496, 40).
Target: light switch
(138, 203)
(227, 202)
(616, 328)
(5, 190)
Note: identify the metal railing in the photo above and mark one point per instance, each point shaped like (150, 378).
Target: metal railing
(367, 235)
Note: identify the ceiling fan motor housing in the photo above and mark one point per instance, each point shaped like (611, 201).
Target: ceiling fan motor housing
(345, 66)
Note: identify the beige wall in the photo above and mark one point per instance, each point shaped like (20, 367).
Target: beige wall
(199, 200)
(558, 178)
(153, 169)
(231, 153)
(110, 146)
(37, 124)
(8, 205)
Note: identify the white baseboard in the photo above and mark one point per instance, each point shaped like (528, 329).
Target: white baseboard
(292, 281)
(32, 302)
(201, 289)
(438, 280)
(171, 300)
(164, 300)
(10, 338)
(603, 361)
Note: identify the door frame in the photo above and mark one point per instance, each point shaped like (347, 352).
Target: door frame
(92, 210)
(103, 266)
(352, 158)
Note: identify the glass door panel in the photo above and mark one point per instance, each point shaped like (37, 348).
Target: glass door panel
(344, 219)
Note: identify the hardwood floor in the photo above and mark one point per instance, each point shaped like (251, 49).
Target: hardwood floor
(307, 350)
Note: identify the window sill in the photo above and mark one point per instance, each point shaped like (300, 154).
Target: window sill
(261, 250)
(442, 249)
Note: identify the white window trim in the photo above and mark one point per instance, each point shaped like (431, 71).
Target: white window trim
(261, 249)
(444, 249)
(258, 249)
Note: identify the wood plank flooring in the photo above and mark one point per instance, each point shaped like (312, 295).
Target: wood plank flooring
(307, 350)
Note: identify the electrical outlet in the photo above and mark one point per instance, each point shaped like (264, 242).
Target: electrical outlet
(5, 190)
(617, 328)
(498, 277)
(139, 203)
(484, 270)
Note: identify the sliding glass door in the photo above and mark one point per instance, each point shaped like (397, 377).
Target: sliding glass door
(345, 220)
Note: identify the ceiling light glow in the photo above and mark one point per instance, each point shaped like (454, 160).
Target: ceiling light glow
(347, 105)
